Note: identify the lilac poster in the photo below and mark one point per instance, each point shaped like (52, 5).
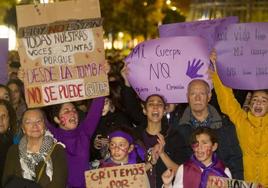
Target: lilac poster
(3, 60)
(242, 51)
(165, 66)
(204, 29)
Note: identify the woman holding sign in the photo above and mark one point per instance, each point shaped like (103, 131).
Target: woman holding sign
(76, 136)
(251, 127)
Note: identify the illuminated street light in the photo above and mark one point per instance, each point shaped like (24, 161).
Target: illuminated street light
(9, 33)
(173, 8)
(168, 2)
(120, 34)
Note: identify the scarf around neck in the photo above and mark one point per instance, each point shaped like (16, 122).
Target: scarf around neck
(209, 169)
(29, 160)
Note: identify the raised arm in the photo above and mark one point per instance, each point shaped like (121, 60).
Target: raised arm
(89, 124)
(227, 101)
(159, 150)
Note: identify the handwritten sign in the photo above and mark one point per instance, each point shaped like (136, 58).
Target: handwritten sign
(120, 176)
(61, 52)
(204, 29)
(220, 182)
(165, 66)
(242, 55)
(3, 60)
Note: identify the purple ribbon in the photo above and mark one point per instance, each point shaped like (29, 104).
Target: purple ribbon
(210, 169)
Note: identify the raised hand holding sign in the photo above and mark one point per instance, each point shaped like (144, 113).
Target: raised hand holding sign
(165, 66)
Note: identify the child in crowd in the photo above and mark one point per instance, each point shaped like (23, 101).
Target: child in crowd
(203, 163)
(123, 150)
(112, 116)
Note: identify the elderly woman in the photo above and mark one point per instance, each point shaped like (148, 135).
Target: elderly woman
(38, 157)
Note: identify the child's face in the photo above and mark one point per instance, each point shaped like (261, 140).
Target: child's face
(154, 109)
(204, 148)
(68, 117)
(120, 148)
(259, 104)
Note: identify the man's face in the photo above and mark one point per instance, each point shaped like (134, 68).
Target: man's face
(259, 103)
(198, 96)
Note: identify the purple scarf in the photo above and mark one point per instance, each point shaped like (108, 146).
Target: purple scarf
(210, 169)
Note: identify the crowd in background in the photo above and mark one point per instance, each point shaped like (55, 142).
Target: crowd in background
(55, 145)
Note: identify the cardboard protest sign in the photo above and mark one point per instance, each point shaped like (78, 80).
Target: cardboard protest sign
(242, 55)
(119, 176)
(61, 51)
(220, 182)
(165, 66)
(3, 60)
(204, 29)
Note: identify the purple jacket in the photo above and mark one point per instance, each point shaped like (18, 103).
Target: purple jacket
(77, 143)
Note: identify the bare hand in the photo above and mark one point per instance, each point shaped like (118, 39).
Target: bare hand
(213, 56)
(167, 177)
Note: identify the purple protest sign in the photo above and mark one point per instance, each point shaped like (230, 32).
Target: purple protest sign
(242, 51)
(204, 29)
(3, 60)
(165, 66)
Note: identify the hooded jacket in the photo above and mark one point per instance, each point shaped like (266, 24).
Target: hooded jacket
(252, 134)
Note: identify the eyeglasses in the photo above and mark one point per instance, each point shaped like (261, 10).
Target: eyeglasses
(31, 123)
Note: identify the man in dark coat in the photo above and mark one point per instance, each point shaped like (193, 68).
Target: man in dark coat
(200, 113)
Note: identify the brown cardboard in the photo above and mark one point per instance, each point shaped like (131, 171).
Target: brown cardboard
(118, 176)
(62, 52)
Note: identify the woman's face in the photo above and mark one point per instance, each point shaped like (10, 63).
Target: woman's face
(33, 124)
(15, 93)
(4, 94)
(4, 119)
(155, 109)
(68, 117)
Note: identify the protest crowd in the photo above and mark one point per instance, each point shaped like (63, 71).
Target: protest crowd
(219, 132)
